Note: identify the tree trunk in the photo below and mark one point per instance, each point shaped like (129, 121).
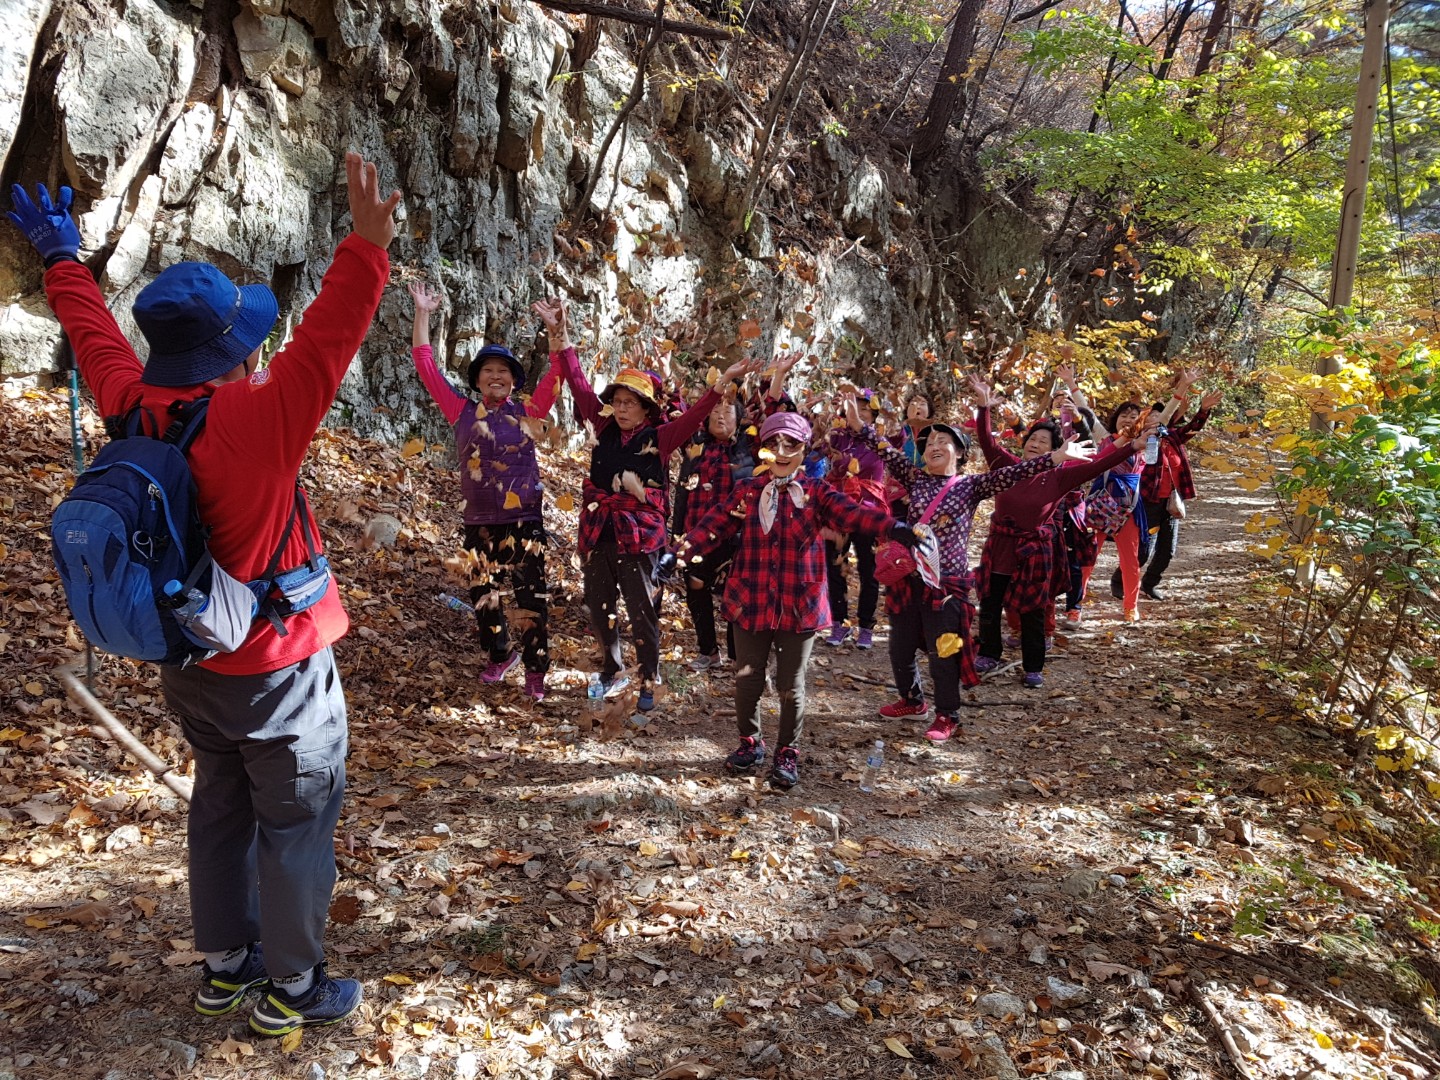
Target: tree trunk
(1218, 17)
(814, 27)
(1172, 41)
(949, 84)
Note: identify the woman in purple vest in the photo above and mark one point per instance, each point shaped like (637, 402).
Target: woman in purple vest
(500, 482)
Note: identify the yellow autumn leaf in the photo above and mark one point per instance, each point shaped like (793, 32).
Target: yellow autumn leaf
(712, 376)
(648, 849)
(10, 734)
(565, 503)
(739, 855)
(291, 1042)
(898, 1048)
(512, 501)
(1322, 1040)
(586, 951)
(398, 980)
(854, 467)
(413, 447)
(1388, 737)
(1286, 442)
(1386, 764)
(1250, 483)
(947, 645)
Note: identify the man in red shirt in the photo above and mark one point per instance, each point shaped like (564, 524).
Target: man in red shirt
(267, 722)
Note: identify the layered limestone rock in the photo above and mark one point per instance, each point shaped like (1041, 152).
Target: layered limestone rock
(228, 146)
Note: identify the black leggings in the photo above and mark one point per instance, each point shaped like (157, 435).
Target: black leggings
(869, 588)
(519, 550)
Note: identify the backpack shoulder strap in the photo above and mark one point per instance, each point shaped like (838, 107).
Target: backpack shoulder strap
(187, 421)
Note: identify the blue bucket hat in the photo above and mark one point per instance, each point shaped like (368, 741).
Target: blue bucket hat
(199, 324)
(491, 352)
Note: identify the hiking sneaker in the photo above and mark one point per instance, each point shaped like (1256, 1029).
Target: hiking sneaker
(785, 773)
(706, 662)
(1132, 614)
(1033, 680)
(1049, 643)
(1148, 591)
(1072, 616)
(865, 639)
(943, 727)
(1117, 586)
(328, 1001)
(221, 991)
(615, 685)
(498, 669)
(535, 685)
(985, 664)
(898, 710)
(838, 635)
(1010, 641)
(647, 701)
(751, 752)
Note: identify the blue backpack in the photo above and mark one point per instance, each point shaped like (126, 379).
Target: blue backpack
(131, 526)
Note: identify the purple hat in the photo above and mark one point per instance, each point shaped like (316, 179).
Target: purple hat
(790, 424)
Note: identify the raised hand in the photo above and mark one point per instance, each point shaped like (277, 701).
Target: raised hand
(1072, 450)
(851, 411)
(738, 370)
(371, 218)
(1066, 374)
(426, 296)
(48, 227)
(1210, 400)
(984, 393)
(553, 314)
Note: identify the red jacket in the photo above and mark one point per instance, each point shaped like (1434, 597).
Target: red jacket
(256, 434)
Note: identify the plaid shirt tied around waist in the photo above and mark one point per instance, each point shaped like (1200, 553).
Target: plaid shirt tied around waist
(1041, 571)
(638, 527)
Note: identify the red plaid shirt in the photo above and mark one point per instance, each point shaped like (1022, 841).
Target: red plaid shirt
(1040, 572)
(778, 579)
(1172, 471)
(638, 527)
(707, 479)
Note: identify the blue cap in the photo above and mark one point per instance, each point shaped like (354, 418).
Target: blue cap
(492, 352)
(199, 324)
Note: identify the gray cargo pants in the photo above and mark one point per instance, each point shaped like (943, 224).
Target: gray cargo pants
(269, 778)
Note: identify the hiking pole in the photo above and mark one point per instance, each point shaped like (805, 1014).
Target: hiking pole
(77, 449)
(123, 736)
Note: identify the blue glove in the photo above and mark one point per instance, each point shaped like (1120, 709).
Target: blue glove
(48, 226)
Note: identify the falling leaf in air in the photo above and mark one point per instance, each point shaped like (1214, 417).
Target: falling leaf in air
(413, 447)
(947, 645)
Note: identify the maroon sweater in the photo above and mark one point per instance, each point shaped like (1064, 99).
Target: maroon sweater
(1031, 503)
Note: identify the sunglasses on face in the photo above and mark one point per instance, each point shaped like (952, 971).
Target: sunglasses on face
(784, 444)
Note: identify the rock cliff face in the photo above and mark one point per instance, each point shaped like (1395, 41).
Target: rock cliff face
(217, 131)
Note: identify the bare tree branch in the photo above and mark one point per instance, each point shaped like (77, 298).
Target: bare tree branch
(638, 18)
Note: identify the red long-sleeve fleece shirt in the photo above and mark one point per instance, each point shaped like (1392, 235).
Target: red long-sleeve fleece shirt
(257, 431)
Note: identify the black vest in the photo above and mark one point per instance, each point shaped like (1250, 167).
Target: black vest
(640, 455)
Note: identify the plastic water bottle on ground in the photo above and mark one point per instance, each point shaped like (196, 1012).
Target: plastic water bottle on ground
(873, 764)
(454, 603)
(595, 693)
(186, 603)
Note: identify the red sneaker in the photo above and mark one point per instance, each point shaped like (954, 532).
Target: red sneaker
(943, 727)
(898, 710)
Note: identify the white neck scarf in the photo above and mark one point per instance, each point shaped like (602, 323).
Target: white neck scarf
(770, 499)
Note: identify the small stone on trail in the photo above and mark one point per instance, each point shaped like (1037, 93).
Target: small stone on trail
(1066, 994)
(999, 1005)
(182, 1054)
(1081, 883)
